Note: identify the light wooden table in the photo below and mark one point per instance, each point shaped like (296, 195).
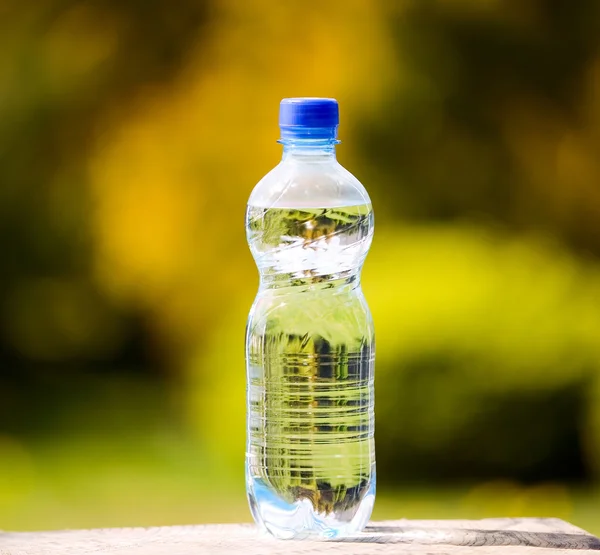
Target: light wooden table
(427, 537)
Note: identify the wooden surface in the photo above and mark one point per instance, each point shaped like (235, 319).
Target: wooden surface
(426, 537)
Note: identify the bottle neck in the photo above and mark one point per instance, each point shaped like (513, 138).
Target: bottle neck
(308, 148)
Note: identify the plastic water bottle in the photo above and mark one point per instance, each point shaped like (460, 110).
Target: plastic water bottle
(310, 349)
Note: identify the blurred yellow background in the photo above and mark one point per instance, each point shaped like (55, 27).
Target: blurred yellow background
(131, 135)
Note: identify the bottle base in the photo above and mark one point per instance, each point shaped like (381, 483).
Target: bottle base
(300, 520)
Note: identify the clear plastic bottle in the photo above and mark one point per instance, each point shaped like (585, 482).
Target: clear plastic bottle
(310, 349)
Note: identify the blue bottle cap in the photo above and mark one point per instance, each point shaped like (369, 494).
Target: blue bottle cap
(309, 118)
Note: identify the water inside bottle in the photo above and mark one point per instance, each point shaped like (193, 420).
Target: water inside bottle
(310, 355)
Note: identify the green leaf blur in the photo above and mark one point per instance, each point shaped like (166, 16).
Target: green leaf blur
(131, 136)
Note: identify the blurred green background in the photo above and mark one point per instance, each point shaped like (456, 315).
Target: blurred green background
(131, 135)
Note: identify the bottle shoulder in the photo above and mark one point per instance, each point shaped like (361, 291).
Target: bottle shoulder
(297, 183)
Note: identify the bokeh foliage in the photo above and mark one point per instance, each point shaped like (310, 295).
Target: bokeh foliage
(131, 135)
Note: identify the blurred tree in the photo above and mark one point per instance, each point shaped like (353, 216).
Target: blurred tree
(66, 65)
(132, 132)
(495, 113)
